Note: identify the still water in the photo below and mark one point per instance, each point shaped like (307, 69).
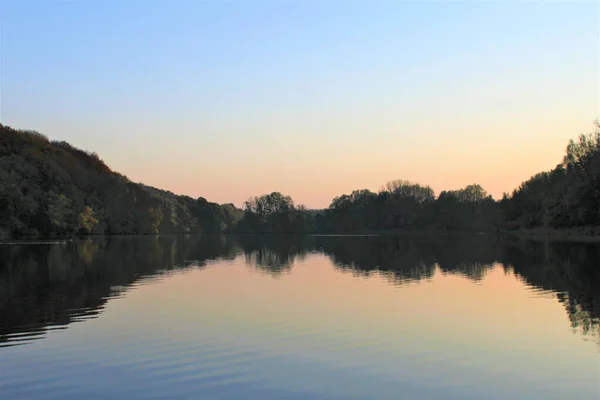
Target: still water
(286, 317)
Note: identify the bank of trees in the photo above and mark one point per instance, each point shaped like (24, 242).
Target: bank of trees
(403, 205)
(53, 188)
(567, 196)
(399, 205)
(275, 213)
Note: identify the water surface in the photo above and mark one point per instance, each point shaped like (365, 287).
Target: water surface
(286, 317)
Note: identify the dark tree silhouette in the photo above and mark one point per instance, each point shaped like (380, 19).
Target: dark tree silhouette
(52, 188)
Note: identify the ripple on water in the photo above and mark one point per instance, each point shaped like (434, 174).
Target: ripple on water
(127, 339)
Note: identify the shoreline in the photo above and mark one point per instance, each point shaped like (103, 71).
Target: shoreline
(578, 234)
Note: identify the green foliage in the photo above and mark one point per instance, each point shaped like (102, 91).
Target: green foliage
(49, 187)
(86, 220)
(59, 211)
(52, 188)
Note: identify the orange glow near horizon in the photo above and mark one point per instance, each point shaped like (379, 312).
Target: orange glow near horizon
(500, 160)
(446, 95)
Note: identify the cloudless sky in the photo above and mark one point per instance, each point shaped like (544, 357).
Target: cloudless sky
(232, 99)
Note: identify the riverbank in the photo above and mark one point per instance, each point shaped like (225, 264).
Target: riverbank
(579, 234)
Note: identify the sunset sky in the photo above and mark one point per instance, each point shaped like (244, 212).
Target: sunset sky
(228, 100)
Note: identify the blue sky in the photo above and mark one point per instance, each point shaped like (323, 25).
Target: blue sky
(231, 99)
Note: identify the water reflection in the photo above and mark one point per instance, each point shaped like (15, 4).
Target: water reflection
(274, 254)
(46, 287)
(572, 270)
(49, 285)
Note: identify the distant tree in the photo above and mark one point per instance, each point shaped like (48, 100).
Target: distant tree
(86, 220)
(59, 211)
(472, 193)
(404, 188)
(275, 213)
(567, 196)
(580, 152)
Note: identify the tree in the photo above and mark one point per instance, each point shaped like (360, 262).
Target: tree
(403, 188)
(272, 213)
(45, 185)
(86, 220)
(59, 211)
(567, 196)
(472, 193)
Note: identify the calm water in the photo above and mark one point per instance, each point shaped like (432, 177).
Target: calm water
(284, 317)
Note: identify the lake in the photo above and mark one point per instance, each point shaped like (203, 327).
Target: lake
(300, 317)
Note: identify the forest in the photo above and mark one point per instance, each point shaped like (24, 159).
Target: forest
(566, 197)
(52, 188)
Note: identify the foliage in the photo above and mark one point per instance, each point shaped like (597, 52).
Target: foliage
(274, 213)
(49, 187)
(567, 196)
(52, 188)
(403, 205)
(86, 220)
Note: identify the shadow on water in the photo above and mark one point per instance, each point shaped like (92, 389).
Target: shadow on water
(48, 286)
(45, 287)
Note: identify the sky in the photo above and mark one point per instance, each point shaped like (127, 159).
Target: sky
(232, 99)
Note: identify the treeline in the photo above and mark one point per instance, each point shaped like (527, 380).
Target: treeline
(566, 197)
(400, 205)
(52, 188)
